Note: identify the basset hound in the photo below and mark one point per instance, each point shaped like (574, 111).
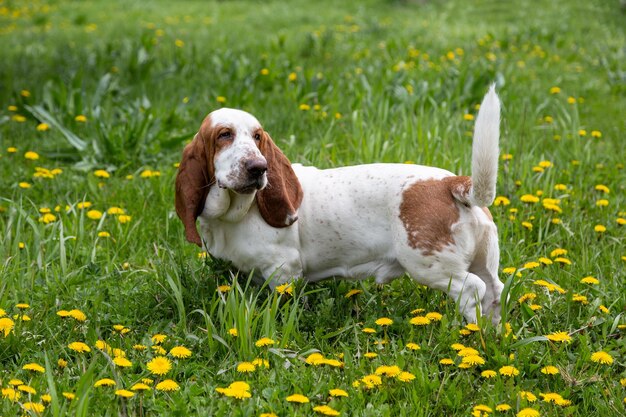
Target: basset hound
(287, 221)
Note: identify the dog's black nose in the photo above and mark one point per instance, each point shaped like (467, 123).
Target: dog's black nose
(256, 167)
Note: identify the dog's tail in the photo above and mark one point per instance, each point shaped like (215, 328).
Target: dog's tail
(485, 151)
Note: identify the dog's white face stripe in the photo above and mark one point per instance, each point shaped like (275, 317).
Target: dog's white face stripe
(238, 148)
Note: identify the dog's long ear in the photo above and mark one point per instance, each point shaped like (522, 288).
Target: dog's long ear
(279, 201)
(195, 176)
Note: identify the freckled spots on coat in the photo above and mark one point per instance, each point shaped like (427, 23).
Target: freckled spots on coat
(428, 211)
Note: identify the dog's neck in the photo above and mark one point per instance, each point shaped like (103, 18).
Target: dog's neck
(227, 205)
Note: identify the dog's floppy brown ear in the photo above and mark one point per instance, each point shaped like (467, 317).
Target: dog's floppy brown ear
(279, 201)
(194, 178)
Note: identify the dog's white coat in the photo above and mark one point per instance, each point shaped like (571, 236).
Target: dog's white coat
(349, 222)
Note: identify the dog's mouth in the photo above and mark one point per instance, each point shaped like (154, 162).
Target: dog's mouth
(252, 186)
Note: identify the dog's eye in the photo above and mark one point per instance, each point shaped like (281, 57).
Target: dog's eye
(257, 136)
(224, 135)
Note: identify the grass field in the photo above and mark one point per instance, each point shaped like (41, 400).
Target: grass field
(99, 291)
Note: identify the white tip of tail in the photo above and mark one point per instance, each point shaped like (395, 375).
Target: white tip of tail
(485, 150)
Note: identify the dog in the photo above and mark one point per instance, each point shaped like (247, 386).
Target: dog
(288, 222)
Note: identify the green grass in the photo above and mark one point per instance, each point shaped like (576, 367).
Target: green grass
(382, 81)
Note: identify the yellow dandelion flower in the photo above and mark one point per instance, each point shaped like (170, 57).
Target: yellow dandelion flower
(528, 412)
(159, 365)
(333, 362)
(419, 321)
(468, 117)
(488, 373)
(582, 133)
(33, 156)
(384, 321)
(503, 407)
(35, 407)
(555, 90)
(297, 398)
(34, 367)
(140, 386)
(124, 218)
(370, 355)
(602, 357)
(315, 359)
(413, 346)
(94, 214)
(122, 362)
(304, 107)
(10, 394)
(81, 118)
(386, 370)
(27, 389)
(602, 202)
(369, 330)
(336, 392)
(79, 347)
(326, 410)
(352, 293)
(158, 338)
(602, 188)
(246, 367)
(47, 218)
(472, 327)
(406, 376)
(61, 363)
(559, 337)
(259, 362)
(233, 332)
(599, 228)
(167, 385)
(180, 352)
(371, 381)
(6, 325)
(508, 370)
(124, 393)
(590, 280)
(104, 382)
(550, 370)
(292, 76)
(77, 315)
(104, 234)
(220, 99)
(265, 341)
(482, 408)
(69, 395)
(101, 173)
(528, 396)
(501, 201)
(529, 198)
(446, 361)
(562, 260)
(473, 360)
(224, 288)
(285, 288)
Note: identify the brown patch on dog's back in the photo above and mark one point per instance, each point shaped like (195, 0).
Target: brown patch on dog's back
(429, 209)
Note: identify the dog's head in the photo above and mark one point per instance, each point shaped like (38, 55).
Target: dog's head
(232, 151)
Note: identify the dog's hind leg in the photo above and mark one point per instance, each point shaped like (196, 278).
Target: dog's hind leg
(485, 266)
